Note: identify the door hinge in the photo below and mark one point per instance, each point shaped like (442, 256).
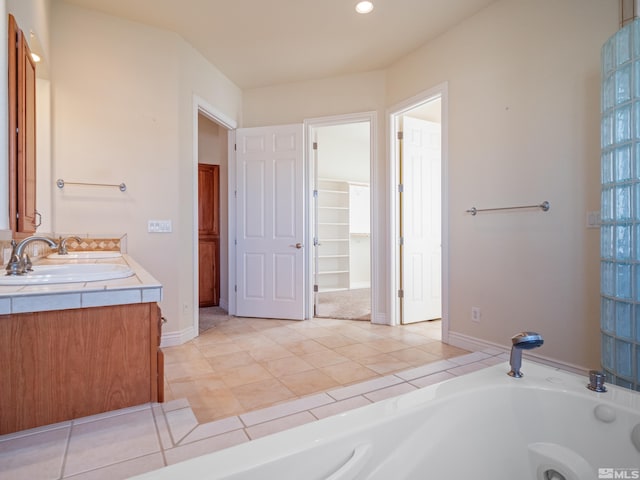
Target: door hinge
(315, 288)
(401, 241)
(315, 193)
(400, 135)
(235, 288)
(400, 293)
(400, 188)
(315, 145)
(235, 147)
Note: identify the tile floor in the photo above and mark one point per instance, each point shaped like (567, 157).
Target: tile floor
(240, 380)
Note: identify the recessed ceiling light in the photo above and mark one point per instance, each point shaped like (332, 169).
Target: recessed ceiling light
(364, 7)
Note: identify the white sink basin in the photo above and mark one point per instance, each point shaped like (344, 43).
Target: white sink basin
(68, 273)
(85, 255)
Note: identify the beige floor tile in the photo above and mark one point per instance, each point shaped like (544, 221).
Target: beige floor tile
(287, 366)
(415, 356)
(196, 385)
(384, 363)
(245, 374)
(283, 335)
(181, 354)
(230, 361)
(185, 370)
(215, 404)
(334, 341)
(387, 345)
(316, 332)
(212, 350)
(322, 359)
(213, 337)
(253, 340)
(262, 394)
(349, 372)
(308, 382)
(443, 350)
(357, 351)
(306, 347)
(269, 352)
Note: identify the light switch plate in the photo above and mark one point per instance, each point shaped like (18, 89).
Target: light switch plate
(159, 226)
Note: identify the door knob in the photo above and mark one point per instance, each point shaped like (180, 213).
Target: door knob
(297, 245)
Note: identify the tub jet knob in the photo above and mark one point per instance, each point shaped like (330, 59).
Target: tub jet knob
(596, 381)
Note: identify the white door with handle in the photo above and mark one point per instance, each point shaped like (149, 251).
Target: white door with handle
(270, 222)
(421, 220)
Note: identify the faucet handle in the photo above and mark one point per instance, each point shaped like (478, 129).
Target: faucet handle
(14, 266)
(26, 263)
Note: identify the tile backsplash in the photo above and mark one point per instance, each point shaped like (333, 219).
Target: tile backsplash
(87, 242)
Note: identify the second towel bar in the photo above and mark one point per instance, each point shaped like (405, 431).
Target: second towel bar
(544, 206)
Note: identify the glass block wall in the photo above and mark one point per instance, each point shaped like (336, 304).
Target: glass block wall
(620, 208)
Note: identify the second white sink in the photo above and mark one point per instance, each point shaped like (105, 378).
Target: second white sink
(69, 273)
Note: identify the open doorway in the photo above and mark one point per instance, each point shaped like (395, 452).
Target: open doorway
(418, 168)
(212, 207)
(341, 220)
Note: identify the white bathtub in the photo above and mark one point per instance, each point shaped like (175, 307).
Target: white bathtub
(481, 426)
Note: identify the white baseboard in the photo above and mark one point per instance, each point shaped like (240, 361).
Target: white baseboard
(475, 344)
(224, 304)
(173, 339)
(380, 319)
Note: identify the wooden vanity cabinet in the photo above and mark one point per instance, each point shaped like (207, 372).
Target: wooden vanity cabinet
(67, 364)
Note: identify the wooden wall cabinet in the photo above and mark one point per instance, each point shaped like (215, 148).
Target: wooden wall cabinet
(22, 133)
(66, 364)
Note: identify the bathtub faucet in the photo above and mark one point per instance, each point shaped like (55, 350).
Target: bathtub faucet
(522, 341)
(20, 262)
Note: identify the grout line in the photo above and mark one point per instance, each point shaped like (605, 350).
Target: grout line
(63, 465)
(160, 443)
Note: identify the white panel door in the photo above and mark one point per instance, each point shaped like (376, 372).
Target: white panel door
(421, 221)
(270, 223)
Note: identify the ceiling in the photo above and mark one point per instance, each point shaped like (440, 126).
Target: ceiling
(257, 43)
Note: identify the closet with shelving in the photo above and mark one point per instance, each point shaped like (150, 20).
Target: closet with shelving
(342, 232)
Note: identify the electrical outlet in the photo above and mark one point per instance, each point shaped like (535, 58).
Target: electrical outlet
(476, 314)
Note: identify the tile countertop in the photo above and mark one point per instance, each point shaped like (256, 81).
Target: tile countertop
(139, 288)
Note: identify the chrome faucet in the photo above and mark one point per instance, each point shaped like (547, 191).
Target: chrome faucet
(62, 244)
(522, 341)
(20, 263)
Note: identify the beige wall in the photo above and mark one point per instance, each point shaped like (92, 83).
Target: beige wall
(123, 108)
(524, 83)
(350, 94)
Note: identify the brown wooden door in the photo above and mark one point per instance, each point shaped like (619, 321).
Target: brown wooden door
(209, 234)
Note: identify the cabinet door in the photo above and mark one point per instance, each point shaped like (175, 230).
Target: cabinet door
(208, 199)
(209, 290)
